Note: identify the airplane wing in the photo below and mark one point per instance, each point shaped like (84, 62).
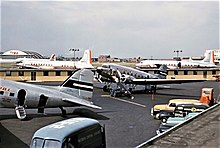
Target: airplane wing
(164, 81)
(81, 102)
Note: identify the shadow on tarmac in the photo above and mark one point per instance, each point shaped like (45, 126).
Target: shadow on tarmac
(7, 139)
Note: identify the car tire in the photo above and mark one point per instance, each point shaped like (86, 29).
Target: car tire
(164, 120)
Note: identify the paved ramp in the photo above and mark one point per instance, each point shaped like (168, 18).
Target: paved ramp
(7, 139)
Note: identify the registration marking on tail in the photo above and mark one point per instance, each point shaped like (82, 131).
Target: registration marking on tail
(122, 100)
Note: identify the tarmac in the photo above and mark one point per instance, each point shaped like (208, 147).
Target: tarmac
(128, 122)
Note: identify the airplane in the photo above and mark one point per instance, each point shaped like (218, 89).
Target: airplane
(52, 63)
(18, 60)
(122, 75)
(8, 61)
(207, 62)
(76, 90)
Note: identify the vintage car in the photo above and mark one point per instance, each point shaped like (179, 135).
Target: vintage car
(155, 111)
(172, 121)
(181, 110)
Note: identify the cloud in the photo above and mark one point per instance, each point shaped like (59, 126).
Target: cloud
(122, 29)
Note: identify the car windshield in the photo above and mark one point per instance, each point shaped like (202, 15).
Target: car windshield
(40, 143)
(52, 144)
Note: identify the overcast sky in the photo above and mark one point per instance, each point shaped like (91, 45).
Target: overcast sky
(121, 29)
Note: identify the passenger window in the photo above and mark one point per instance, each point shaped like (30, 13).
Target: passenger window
(12, 94)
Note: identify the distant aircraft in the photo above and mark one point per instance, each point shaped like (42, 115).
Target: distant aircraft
(77, 90)
(207, 62)
(122, 75)
(10, 61)
(52, 63)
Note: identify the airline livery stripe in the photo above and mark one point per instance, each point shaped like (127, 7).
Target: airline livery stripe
(79, 85)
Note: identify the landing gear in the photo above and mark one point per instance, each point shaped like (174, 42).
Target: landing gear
(121, 90)
(63, 111)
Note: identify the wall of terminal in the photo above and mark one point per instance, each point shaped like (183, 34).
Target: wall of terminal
(61, 75)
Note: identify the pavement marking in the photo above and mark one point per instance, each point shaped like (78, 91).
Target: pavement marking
(130, 102)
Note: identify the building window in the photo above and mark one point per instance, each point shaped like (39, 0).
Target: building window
(69, 73)
(58, 73)
(175, 72)
(20, 73)
(46, 73)
(8, 73)
(185, 72)
(194, 72)
(214, 72)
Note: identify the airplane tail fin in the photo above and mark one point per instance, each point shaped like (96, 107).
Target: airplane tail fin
(209, 57)
(79, 84)
(162, 71)
(87, 57)
(53, 57)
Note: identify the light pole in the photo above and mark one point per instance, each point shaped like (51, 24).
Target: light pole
(74, 50)
(177, 53)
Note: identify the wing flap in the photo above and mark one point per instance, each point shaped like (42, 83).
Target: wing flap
(81, 102)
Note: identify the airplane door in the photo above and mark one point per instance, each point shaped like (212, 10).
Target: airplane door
(33, 76)
(42, 103)
(21, 97)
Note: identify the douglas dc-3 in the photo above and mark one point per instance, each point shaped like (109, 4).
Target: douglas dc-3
(122, 75)
(76, 90)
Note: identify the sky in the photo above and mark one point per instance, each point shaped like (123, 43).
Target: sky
(123, 29)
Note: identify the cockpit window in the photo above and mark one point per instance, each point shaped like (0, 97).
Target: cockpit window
(106, 66)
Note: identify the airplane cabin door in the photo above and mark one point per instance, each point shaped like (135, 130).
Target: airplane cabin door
(21, 97)
(42, 103)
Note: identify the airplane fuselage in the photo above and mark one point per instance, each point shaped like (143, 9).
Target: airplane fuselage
(32, 96)
(106, 71)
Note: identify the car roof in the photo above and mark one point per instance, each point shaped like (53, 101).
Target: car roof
(183, 101)
(59, 130)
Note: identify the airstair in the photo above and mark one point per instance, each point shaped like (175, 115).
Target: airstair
(20, 112)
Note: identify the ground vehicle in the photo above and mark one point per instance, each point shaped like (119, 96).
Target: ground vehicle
(181, 110)
(155, 111)
(206, 98)
(172, 121)
(74, 132)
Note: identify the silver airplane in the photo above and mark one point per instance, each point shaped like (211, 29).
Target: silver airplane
(76, 90)
(121, 75)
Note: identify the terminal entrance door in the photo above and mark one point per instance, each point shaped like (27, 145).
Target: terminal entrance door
(33, 76)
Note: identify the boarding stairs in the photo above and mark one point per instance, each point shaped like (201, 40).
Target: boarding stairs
(20, 112)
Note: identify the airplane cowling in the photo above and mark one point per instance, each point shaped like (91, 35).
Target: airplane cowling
(126, 78)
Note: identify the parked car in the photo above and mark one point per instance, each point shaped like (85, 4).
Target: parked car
(181, 110)
(172, 121)
(155, 111)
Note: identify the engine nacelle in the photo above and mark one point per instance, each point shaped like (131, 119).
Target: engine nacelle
(126, 78)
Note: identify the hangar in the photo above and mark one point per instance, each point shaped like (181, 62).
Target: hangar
(15, 53)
